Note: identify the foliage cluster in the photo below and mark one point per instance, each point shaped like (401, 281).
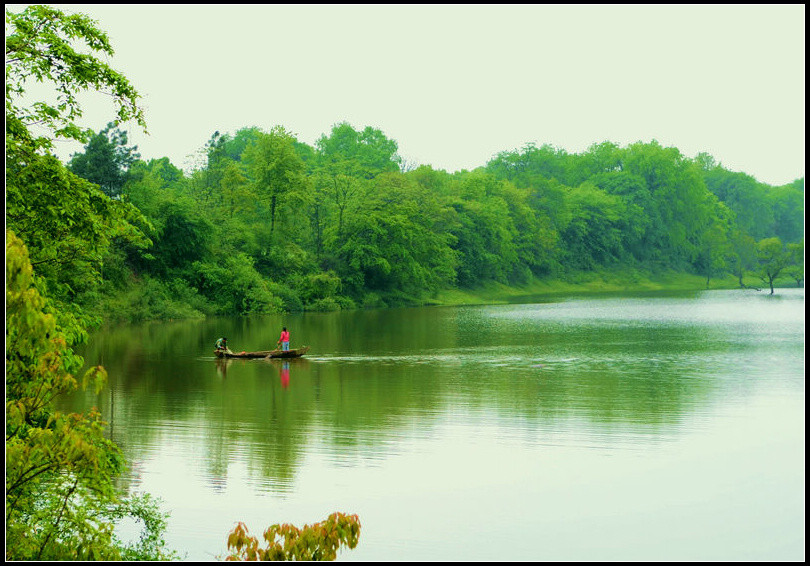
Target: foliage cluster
(319, 541)
(61, 500)
(270, 224)
(61, 503)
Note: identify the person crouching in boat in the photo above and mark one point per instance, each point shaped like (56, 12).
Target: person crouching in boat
(222, 346)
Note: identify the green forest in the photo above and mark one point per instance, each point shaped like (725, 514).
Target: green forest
(269, 224)
(272, 224)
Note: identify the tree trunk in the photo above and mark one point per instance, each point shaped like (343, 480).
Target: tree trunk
(272, 213)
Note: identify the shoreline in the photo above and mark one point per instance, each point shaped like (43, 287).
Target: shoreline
(588, 283)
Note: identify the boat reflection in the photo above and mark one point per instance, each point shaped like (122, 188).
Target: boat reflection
(224, 364)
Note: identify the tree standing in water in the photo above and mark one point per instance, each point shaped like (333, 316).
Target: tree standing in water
(773, 259)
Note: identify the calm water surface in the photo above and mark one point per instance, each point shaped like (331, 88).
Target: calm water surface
(623, 427)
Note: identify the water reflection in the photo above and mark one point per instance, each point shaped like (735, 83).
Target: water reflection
(613, 375)
(634, 361)
(222, 366)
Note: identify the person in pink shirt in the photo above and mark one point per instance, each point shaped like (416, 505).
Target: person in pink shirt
(284, 340)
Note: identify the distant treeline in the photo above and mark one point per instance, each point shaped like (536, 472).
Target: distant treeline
(270, 224)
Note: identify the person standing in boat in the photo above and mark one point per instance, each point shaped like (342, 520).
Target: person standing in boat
(284, 340)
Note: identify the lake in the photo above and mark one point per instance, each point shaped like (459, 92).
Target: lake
(647, 426)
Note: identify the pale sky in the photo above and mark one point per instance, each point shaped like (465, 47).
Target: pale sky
(454, 84)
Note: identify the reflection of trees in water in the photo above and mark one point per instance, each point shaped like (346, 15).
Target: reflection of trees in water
(375, 377)
(361, 407)
(607, 375)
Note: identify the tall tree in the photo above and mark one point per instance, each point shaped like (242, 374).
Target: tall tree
(594, 235)
(773, 258)
(535, 239)
(715, 247)
(796, 268)
(680, 208)
(787, 204)
(484, 231)
(347, 159)
(638, 201)
(106, 160)
(276, 169)
(61, 501)
(396, 241)
(746, 197)
(742, 255)
(370, 151)
(524, 166)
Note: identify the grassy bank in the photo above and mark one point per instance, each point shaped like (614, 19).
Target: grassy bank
(585, 283)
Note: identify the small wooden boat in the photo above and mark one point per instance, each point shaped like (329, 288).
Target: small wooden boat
(296, 353)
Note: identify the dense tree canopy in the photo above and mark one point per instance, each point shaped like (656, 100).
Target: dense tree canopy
(285, 214)
(264, 216)
(106, 160)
